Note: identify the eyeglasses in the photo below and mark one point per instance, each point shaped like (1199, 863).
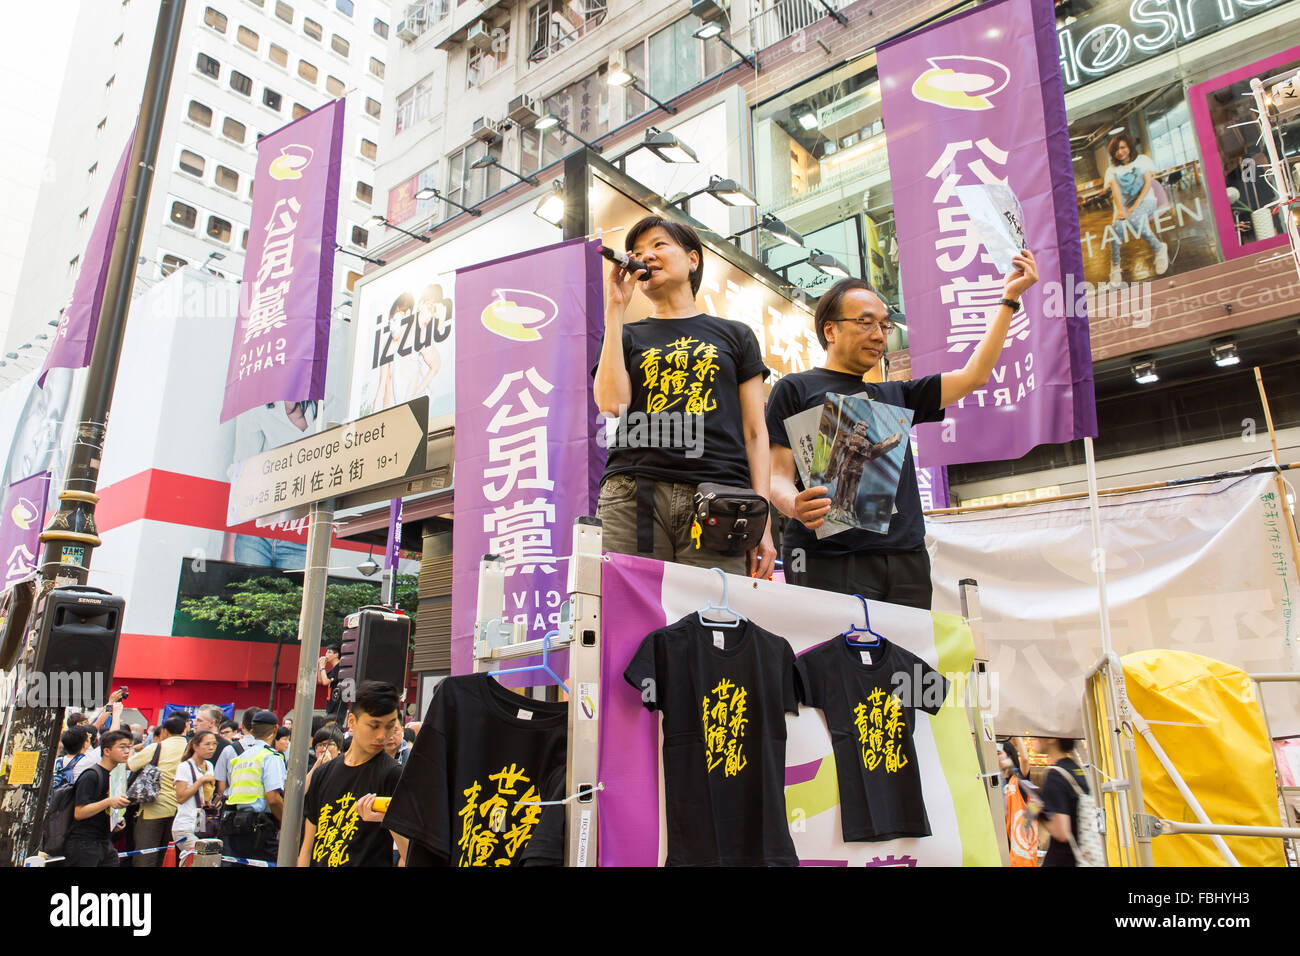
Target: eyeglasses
(864, 323)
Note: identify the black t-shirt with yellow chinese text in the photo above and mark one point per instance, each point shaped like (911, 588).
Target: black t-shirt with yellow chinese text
(724, 694)
(870, 696)
(804, 390)
(342, 837)
(482, 752)
(684, 423)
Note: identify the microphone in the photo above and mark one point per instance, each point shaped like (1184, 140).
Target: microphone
(630, 265)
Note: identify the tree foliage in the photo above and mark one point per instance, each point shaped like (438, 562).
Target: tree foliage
(272, 605)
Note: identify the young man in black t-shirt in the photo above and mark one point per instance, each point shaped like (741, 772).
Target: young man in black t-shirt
(89, 840)
(852, 323)
(687, 390)
(341, 826)
(1060, 804)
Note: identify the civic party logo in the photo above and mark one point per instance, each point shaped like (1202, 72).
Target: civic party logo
(24, 514)
(293, 159)
(519, 315)
(961, 82)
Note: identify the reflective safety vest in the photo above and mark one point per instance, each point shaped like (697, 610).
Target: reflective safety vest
(246, 776)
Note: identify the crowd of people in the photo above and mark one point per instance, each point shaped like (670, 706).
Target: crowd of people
(188, 779)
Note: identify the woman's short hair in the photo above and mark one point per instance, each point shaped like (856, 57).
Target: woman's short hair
(683, 236)
(1113, 145)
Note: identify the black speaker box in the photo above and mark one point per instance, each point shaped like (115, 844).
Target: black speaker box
(376, 644)
(77, 647)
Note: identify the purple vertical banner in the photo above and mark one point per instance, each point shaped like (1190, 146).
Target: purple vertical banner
(282, 334)
(931, 483)
(21, 525)
(523, 430)
(978, 98)
(75, 339)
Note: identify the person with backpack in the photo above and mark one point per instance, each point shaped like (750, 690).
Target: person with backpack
(87, 840)
(1066, 807)
(76, 744)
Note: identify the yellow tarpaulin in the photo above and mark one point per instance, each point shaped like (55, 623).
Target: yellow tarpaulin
(1205, 715)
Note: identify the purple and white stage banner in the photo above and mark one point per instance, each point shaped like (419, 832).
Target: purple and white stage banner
(978, 99)
(75, 339)
(529, 330)
(281, 338)
(640, 595)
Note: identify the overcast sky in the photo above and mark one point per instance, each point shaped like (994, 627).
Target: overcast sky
(35, 38)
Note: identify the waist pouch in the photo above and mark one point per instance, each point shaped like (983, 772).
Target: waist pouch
(728, 520)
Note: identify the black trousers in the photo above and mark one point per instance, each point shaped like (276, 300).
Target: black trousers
(901, 578)
(81, 853)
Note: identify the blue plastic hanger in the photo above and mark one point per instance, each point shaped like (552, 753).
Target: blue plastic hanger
(854, 629)
(725, 606)
(543, 666)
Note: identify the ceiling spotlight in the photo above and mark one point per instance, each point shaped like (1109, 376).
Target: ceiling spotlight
(775, 228)
(726, 191)
(551, 206)
(828, 264)
(805, 117)
(1224, 353)
(668, 147)
(1116, 131)
(1144, 371)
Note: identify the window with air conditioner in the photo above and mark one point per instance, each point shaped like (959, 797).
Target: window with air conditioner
(483, 63)
(554, 24)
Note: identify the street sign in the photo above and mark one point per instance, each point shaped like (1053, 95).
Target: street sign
(384, 447)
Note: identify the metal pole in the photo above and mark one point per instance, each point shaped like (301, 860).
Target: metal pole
(315, 578)
(71, 536)
(981, 719)
(1098, 551)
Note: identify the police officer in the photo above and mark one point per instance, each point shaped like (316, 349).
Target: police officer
(250, 822)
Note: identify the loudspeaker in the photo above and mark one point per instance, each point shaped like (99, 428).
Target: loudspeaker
(77, 646)
(376, 644)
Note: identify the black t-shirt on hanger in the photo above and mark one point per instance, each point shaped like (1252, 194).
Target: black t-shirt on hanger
(481, 751)
(724, 693)
(870, 696)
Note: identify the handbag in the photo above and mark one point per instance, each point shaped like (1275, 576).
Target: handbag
(728, 520)
(146, 783)
(207, 823)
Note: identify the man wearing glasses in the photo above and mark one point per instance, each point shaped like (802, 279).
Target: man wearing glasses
(852, 324)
